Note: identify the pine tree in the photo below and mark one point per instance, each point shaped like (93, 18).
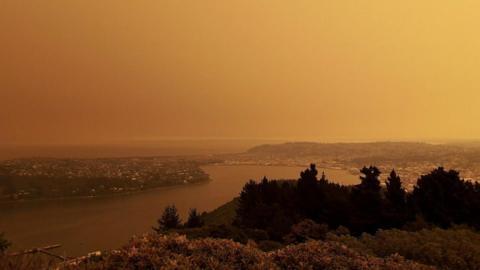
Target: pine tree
(194, 220)
(367, 202)
(246, 213)
(309, 196)
(395, 192)
(169, 219)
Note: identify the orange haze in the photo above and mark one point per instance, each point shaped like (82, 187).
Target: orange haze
(83, 71)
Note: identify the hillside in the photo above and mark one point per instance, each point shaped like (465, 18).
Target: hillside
(221, 215)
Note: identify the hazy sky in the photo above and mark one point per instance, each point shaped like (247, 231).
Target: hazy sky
(82, 71)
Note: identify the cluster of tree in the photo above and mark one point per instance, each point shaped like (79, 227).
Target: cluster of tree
(170, 219)
(441, 198)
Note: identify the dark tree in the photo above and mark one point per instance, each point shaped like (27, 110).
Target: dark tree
(248, 205)
(440, 198)
(194, 220)
(395, 212)
(395, 192)
(309, 196)
(169, 219)
(367, 202)
(323, 179)
(370, 179)
(444, 199)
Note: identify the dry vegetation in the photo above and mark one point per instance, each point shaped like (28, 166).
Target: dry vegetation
(177, 252)
(453, 249)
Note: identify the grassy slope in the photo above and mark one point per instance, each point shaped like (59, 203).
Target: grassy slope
(222, 215)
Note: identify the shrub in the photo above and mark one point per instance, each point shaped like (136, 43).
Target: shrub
(325, 255)
(215, 231)
(177, 252)
(269, 245)
(457, 248)
(306, 230)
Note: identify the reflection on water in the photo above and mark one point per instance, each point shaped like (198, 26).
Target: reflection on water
(85, 225)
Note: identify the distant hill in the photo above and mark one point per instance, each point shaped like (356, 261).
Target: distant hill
(395, 149)
(359, 154)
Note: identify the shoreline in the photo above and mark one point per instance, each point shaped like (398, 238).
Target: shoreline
(112, 195)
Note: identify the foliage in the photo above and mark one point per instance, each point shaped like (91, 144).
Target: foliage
(306, 230)
(325, 255)
(452, 249)
(439, 198)
(194, 220)
(268, 245)
(445, 199)
(177, 252)
(395, 193)
(169, 219)
(367, 203)
(224, 231)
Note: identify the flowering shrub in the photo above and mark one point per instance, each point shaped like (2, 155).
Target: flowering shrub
(306, 230)
(333, 256)
(177, 252)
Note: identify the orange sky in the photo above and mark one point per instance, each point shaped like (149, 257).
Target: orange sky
(83, 71)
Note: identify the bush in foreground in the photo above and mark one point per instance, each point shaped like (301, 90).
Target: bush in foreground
(177, 252)
(27, 262)
(331, 255)
(452, 249)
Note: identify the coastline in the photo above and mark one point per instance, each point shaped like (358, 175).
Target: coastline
(102, 196)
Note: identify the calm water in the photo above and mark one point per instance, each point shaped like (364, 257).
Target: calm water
(85, 225)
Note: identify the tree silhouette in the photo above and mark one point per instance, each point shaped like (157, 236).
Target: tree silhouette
(395, 192)
(169, 219)
(309, 195)
(445, 199)
(370, 179)
(440, 198)
(367, 202)
(395, 212)
(194, 220)
(247, 207)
